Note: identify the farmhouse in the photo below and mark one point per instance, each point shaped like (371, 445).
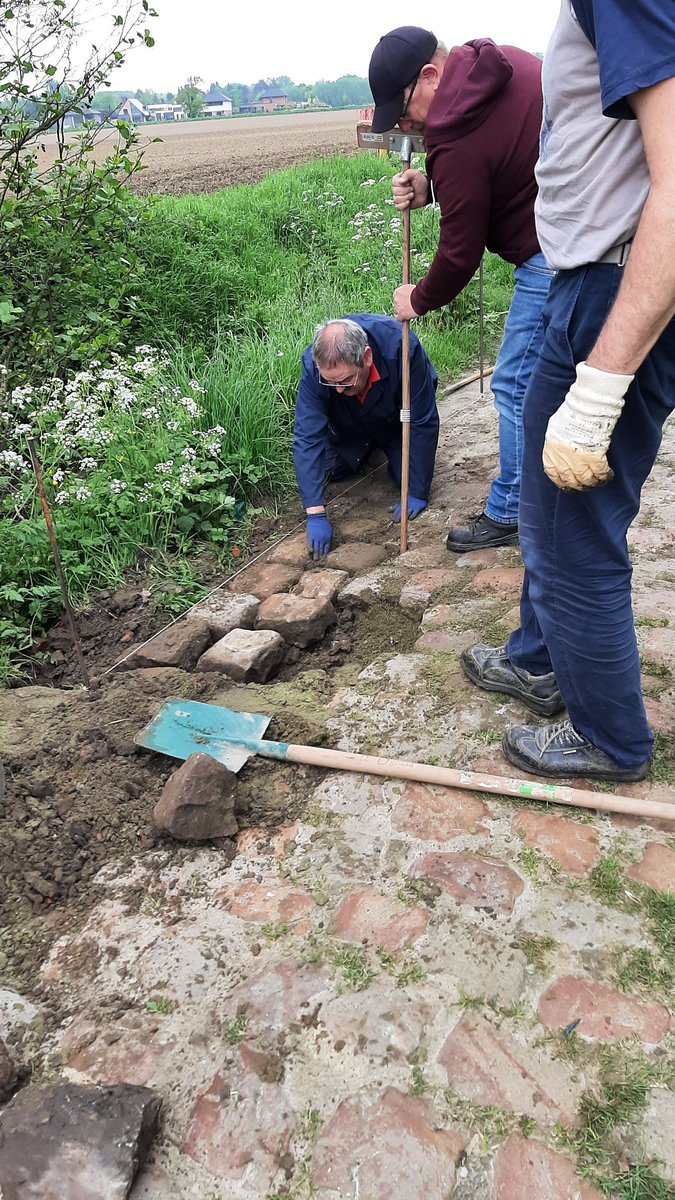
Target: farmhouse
(166, 112)
(273, 99)
(216, 104)
(133, 111)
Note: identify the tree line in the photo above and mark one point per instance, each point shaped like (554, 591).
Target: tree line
(348, 90)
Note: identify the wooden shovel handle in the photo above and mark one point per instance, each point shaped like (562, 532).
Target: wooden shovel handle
(474, 781)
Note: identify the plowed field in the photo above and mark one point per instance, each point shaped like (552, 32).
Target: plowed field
(204, 156)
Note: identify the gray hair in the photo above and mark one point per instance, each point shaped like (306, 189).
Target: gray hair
(339, 341)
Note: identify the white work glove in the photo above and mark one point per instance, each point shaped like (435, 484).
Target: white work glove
(579, 432)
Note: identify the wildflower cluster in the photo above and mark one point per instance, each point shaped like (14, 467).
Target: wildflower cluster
(111, 438)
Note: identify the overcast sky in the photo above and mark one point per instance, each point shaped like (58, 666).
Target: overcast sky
(244, 40)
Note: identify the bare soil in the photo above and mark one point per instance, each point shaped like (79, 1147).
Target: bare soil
(195, 157)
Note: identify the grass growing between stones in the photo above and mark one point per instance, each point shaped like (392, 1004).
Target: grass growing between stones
(620, 1095)
(537, 949)
(356, 973)
(662, 769)
(404, 968)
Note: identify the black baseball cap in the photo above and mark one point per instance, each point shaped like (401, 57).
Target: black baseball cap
(396, 60)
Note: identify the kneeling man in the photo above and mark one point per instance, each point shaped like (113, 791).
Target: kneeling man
(349, 402)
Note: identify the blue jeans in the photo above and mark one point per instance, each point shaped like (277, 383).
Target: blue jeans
(576, 614)
(523, 337)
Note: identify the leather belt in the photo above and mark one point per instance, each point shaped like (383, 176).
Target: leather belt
(617, 254)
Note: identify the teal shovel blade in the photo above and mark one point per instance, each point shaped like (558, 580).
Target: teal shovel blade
(185, 727)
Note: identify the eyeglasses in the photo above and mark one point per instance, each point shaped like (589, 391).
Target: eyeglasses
(406, 106)
(341, 383)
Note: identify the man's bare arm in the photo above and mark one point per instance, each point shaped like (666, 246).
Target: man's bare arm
(646, 300)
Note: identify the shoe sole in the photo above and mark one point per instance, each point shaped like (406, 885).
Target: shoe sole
(494, 543)
(542, 708)
(618, 775)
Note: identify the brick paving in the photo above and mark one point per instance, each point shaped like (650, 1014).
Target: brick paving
(376, 999)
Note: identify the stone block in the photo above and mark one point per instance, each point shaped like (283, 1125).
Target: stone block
(279, 994)
(379, 920)
(526, 1169)
(197, 802)
(437, 814)
(322, 585)
(574, 846)
(299, 619)
(246, 655)
(242, 1124)
(293, 550)
(661, 715)
(383, 1146)
(492, 1068)
(225, 611)
(478, 558)
(363, 591)
(656, 868)
(178, 646)
(80, 1142)
(650, 1138)
(502, 582)
(420, 588)
(604, 1013)
(385, 1021)
(273, 902)
(356, 557)
(479, 883)
(263, 579)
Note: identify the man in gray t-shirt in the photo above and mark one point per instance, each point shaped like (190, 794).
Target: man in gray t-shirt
(603, 387)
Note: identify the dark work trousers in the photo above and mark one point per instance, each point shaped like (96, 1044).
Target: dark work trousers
(576, 614)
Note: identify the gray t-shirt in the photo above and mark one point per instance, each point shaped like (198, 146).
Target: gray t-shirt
(592, 173)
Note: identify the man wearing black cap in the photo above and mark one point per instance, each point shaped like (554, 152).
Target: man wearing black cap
(480, 109)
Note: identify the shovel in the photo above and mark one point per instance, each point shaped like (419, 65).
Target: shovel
(185, 727)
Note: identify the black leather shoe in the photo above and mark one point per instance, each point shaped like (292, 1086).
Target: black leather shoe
(559, 750)
(483, 533)
(490, 668)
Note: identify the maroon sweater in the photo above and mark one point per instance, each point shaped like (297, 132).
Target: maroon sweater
(482, 141)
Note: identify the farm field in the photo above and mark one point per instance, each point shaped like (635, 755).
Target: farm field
(196, 157)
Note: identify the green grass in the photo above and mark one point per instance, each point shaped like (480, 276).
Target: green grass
(537, 949)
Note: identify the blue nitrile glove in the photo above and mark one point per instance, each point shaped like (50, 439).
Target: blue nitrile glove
(415, 507)
(319, 534)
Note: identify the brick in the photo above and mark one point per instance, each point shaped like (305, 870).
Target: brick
(299, 619)
(439, 617)
(223, 611)
(372, 1141)
(178, 646)
(494, 1069)
(356, 557)
(197, 802)
(242, 1123)
(436, 814)
(282, 993)
(293, 550)
(322, 585)
(477, 882)
(438, 642)
(605, 1014)
(246, 655)
(263, 579)
(273, 902)
(656, 868)
(420, 588)
(574, 846)
(138, 1054)
(657, 644)
(525, 1169)
(478, 558)
(82, 1142)
(498, 581)
(654, 603)
(379, 920)
(386, 1021)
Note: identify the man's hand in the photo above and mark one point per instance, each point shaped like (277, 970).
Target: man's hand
(410, 189)
(319, 534)
(579, 432)
(415, 507)
(403, 309)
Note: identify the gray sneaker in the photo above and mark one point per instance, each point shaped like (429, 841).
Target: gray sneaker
(559, 750)
(490, 668)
